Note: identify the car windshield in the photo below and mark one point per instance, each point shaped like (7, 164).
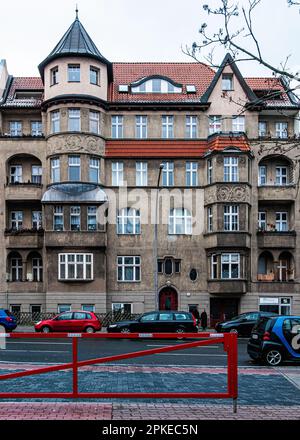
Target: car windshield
(237, 318)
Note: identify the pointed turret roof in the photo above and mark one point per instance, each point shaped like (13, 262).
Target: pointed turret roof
(75, 42)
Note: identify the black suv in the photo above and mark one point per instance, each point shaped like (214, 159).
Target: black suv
(157, 322)
(242, 324)
(275, 339)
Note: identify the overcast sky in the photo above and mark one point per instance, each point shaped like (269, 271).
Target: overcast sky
(134, 30)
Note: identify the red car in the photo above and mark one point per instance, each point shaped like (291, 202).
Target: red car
(79, 321)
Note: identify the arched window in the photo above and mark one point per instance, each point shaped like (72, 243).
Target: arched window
(156, 85)
(129, 221)
(180, 221)
(15, 267)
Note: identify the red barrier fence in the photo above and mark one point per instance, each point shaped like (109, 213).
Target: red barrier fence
(229, 341)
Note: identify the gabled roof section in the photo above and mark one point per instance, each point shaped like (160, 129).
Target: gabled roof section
(273, 92)
(25, 84)
(228, 60)
(75, 42)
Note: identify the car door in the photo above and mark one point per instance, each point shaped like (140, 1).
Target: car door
(248, 323)
(63, 322)
(147, 323)
(79, 321)
(291, 333)
(165, 322)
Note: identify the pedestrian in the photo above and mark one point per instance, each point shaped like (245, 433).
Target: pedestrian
(203, 318)
(196, 314)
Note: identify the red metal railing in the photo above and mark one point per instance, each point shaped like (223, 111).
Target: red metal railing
(229, 341)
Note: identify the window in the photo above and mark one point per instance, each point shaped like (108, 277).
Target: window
(180, 221)
(141, 174)
(55, 121)
(58, 218)
(94, 76)
(15, 309)
(230, 266)
(281, 176)
(129, 268)
(262, 175)
(191, 127)
(36, 128)
(141, 127)
(117, 127)
(16, 220)
(167, 126)
(281, 130)
(214, 266)
(94, 122)
(227, 81)
(231, 169)
(191, 173)
(168, 174)
(37, 269)
(262, 220)
(281, 221)
(37, 220)
(16, 173)
(231, 218)
(149, 317)
(92, 218)
(280, 305)
(74, 168)
(74, 119)
(156, 85)
(94, 170)
(54, 76)
(74, 72)
(238, 124)
(129, 221)
(88, 307)
(16, 269)
(262, 129)
(121, 307)
(209, 219)
(15, 128)
(117, 173)
(215, 125)
(75, 266)
(209, 171)
(64, 308)
(36, 174)
(75, 218)
(55, 169)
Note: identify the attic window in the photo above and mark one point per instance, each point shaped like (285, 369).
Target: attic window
(269, 95)
(123, 88)
(190, 88)
(227, 81)
(28, 94)
(156, 85)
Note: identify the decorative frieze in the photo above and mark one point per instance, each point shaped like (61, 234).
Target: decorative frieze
(75, 143)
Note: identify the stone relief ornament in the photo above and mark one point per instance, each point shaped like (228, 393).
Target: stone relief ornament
(232, 193)
(75, 143)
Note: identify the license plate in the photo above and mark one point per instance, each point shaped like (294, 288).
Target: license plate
(254, 336)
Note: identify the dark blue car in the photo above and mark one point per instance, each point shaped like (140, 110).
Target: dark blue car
(7, 320)
(274, 340)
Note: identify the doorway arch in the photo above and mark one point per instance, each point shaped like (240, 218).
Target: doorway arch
(168, 299)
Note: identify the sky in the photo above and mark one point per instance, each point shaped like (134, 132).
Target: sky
(137, 30)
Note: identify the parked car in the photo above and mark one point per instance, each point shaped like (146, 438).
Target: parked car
(276, 339)
(7, 320)
(77, 321)
(242, 324)
(156, 322)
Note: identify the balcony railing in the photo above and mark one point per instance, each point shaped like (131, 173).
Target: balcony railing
(23, 191)
(24, 238)
(276, 239)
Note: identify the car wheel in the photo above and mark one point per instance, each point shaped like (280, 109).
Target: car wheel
(89, 329)
(180, 330)
(46, 329)
(273, 357)
(125, 330)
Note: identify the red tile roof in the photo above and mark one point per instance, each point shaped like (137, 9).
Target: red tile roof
(197, 74)
(264, 83)
(24, 83)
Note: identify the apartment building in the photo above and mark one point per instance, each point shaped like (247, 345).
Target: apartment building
(88, 146)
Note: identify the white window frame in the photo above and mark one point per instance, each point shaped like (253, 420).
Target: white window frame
(17, 175)
(92, 214)
(37, 218)
(36, 174)
(262, 128)
(58, 213)
(117, 126)
(55, 121)
(141, 173)
(168, 174)
(65, 259)
(94, 165)
(231, 169)
(167, 126)
(36, 128)
(75, 214)
(209, 219)
(74, 68)
(128, 217)
(74, 161)
(262, 220)
(120, 307)
(117, 173)
(281, 221)
(227, 82)
(191, 173)
(94, 119)
(17, 265)
(281, 176)
(214, 266)
(135, 266)
(231, 262)
(95, 71)
(141, 126)
(54, 76)
(15, 128)
(88, 308)
(16, 220)
(62, 308)
(74, 119)
(281, 129)
(238, 124)
(37, 267)
(262, 175)
(191, 126)
(55, 169)
(209, 171)
(215, 124)
(180, 218)
(231, 218)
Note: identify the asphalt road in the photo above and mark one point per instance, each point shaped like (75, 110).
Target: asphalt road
(60, 351)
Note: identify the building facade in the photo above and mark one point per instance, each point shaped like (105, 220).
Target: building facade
(92, 152)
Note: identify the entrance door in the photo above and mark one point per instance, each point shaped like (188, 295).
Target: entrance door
(222, 309)
(168, 299)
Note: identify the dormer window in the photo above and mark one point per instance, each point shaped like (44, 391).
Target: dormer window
(74, 72)
(227, 81)
(156, 85)
(28, 94)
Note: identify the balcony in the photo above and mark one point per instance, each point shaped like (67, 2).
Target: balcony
(277, 192)
(84, 239)
(227, 286)
(24, 287)
(227, 239)
(274, 239)
(24, 238)
(283, 287)
(23, 192)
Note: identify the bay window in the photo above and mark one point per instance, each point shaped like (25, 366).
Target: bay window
(75, 266)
